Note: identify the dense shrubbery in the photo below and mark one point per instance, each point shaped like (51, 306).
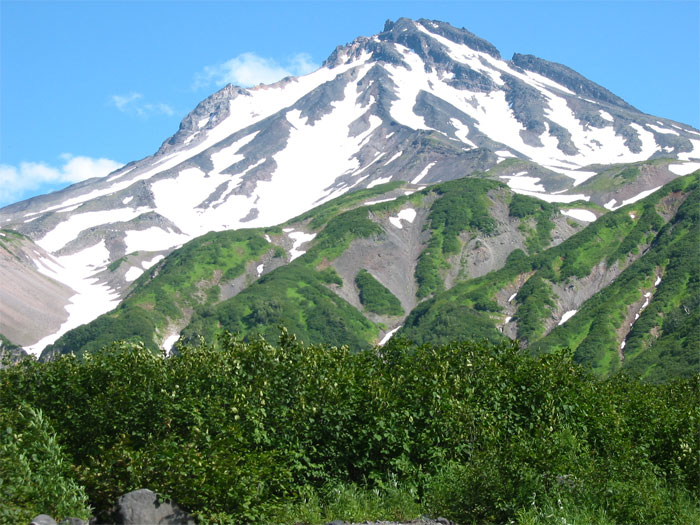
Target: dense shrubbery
(376, 297)
(298, 433)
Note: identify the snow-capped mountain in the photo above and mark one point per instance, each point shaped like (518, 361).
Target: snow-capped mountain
(421, 102)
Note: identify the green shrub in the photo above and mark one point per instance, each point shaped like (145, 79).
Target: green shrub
(376, 297)
(35, 474)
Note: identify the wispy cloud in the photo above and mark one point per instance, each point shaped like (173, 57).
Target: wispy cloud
(19, 182)
(134, 104)
(249, 69)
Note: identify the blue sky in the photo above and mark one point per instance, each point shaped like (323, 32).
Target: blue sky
(86, 86)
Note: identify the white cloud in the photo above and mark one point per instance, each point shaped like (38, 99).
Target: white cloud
(17, 182)
(133, 104)
(249, 69)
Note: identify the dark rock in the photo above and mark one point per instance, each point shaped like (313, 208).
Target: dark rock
(336, 522)
(145, 506)
(43, 519)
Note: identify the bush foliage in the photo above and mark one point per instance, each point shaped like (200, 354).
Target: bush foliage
(260, 432)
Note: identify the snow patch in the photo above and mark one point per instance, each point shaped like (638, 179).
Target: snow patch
(694, 154)
(517, 182)
(462, 132)
(91, 299)
(510, 299)
(299, 238)
(582, 215)
(388, 335)
(229, 155)
(259, 268)
(170, 342)
(69, 229)
(684, 169)
(133, 273)
(153, 239)
(423, 173)
(658, 281)
(149, 264)
(504, 153)
(567, 315)
(393, 158)
(663, 130)
(408, 215)
(606, 116)
(551, 197)
(377, 182)
(370, 203)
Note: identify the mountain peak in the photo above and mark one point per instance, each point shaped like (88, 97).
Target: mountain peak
(404, 29)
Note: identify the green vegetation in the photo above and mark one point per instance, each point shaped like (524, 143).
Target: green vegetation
(462, 205)
(188, 279)
(293, 433)
(541, 212)
(6, 344)
(611, 178)
(322, 214)
(330, 276)
(662, 343)
(535, 303)
(10, 237)
(375, 297)
(114, 265)
(35, 472)
(657, 236)
(335, 238)
(294, 296)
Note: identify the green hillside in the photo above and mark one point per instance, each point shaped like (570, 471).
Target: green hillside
(186, 280)
(661, 344)
(608, 268)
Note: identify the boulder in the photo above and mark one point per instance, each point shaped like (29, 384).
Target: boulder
(145, 506)
(43, 519)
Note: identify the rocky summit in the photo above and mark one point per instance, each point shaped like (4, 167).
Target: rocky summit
(399, 117)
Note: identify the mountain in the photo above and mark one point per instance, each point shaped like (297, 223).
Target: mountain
(419, 106)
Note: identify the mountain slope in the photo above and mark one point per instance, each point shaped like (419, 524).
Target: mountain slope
(592, 293)
(421, 102)
(465, 259)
